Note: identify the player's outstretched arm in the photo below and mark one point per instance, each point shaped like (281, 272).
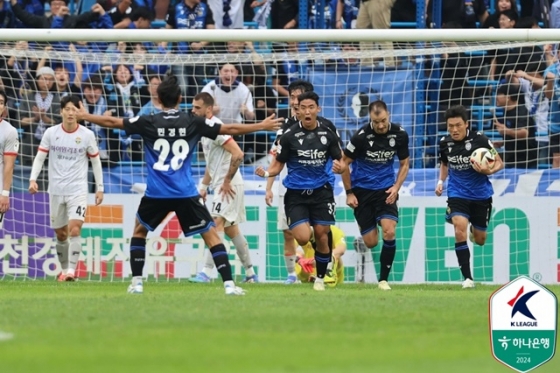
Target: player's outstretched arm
(36, 170)
(443, 170)
(269, 124)
(101, 120)
(274, 169)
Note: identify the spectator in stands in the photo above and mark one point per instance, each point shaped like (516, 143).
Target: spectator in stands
(505, 59)
(120, 14)
(265, 100)
(493, 20)
(36, 7)
(531, 84)
(464, 12)
(124, 102)
(95, 103)
(329, 15)
(40, 108)
(192, 15)
(286, 71)
(284, 14)
(346, 14)
(62, 73)
(18, 74)
(153, 106)
(517, 127)
(58, 9)
(376, 14)
(228, 14)
(141, 18)
(552, 92)
(7, 17)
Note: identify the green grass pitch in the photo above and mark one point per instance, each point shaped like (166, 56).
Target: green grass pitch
(179, 327)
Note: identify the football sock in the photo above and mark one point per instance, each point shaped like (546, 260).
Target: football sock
(386, 258)
(464, 258)
(321, 263)
(290, 264)
(74, 250)
(222, 262)
(62, 253)
(242, 249)
(331, 248)
(137, 255)
(208, 264)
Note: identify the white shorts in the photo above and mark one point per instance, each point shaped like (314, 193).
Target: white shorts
(233, 211)
(65, 208)
(282, 223)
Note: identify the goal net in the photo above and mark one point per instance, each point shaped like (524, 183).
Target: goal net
(419, 75)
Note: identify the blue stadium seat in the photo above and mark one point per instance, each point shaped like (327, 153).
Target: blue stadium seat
(403, 24)
(158, 24)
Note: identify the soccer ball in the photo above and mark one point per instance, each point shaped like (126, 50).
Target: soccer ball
(483, 157)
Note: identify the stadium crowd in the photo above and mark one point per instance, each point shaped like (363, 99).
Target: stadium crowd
(523, 82)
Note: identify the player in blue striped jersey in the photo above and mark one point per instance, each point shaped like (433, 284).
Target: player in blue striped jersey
(170, 139)
(372, 189)
(469, 191)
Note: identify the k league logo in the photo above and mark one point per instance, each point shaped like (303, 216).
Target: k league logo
(523, 324)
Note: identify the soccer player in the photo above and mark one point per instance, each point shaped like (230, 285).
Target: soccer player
(469, 191)
(9, 145)
(371, 188)
(306, 147)
(305, 267)
(170, 139)
(295, 89)
(69, 145)
(223, 157)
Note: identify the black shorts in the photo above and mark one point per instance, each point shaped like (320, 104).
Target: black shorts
(477, 212)
(191, 212)
(315, 206)
(554, 143)
(372, 208)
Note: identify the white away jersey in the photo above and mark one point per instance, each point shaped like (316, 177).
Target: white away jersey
(68, 159)
(9, 145)
(218, 159)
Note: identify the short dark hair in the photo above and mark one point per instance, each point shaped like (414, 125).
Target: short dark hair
(511, 90)
(457, 111)
(3, 94)
(93, 82)
(169, 91)
(70, 99)
(206, 98)
(309, 95)
(142, 12)
(510, 13)
(377, 105)
(301, 85)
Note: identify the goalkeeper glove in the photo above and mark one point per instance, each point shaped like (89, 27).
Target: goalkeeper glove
(307, 264)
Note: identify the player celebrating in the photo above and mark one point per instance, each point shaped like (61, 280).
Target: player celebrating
(305, 267)
(223, 157)
(295, 89)
(69, 145)
(371, 188)
(9, 145)
(306, 148)
(469, 195)
(170, 139)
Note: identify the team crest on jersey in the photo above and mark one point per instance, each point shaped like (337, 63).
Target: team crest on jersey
(323, 140)
(468, 146)
(78, 140)
(391, 142)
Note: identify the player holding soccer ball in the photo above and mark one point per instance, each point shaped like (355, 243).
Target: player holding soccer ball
(170, 139)
(469, 191)
(68, 145)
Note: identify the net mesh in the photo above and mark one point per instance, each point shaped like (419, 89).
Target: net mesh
(417, 80)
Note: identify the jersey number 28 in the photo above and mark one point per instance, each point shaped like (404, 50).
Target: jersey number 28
(179, 149)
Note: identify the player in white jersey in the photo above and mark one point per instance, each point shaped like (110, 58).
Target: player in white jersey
(69, 145)
(223, 157)
(9, 145)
